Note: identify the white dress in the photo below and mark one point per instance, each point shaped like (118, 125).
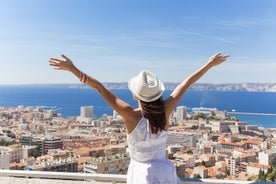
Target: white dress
(148, 164)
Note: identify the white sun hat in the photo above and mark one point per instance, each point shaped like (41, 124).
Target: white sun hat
(146, 86)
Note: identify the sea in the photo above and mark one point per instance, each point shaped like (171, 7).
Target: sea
(255, 108)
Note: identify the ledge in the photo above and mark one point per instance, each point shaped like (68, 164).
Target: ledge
(42, 177)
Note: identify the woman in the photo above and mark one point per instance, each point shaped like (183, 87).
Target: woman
(146, 125)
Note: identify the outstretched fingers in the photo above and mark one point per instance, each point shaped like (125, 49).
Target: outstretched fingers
(55, 63)
(61, 64)
(224, 57)
(218, 58)
(217, 54)
(65, 57)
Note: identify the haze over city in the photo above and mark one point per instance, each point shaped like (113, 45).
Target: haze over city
(114, 40)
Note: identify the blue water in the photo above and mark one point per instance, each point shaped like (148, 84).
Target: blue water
(71, 99)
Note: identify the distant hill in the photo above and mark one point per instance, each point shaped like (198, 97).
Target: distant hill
(261, 87)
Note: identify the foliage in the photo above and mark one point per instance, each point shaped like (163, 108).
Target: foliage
(199, 116)
(261, 176)
(214, 138)
(9, 133)
(190, 152)
(6, 143)
(233, 118)
(228, 172)
(36, 154)
(253, 178)
(207, 164)
(197, 176)
(238, 140)
(270, 176)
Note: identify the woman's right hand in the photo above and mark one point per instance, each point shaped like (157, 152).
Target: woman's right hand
(217, 59)
(65, 64)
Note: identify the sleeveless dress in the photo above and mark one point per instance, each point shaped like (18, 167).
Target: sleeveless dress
(148, 164)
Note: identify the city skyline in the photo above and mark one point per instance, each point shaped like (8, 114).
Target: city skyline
(104, 38)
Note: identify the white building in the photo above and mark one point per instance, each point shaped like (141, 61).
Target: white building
(254, 168)
(268, 157)
(14, 152)
(201, 170)
(220, 126)
(174, 148)
(87, 111)
(189, 160)
(182, 138)
(28, 150)
(231, 165)
(4, 159)
(116, 115)
(181, 113)
(86, 114)
(114, 164)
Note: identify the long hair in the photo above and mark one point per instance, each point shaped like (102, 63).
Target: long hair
(154, 111)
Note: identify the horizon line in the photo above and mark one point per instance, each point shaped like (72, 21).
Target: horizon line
(26, 84)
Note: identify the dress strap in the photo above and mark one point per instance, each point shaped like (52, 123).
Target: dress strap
(148, 136)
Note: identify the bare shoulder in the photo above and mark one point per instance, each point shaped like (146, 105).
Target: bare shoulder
(169, 105)
(133, 119)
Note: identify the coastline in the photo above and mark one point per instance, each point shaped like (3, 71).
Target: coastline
(257, 106)
(246, 86)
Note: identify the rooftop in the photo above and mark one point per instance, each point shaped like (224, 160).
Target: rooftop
(38, 177)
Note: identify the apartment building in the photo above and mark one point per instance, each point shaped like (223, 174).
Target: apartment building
(267, 157)
(248, 157)
(28, 151)
(201, 170)
(220, 126)
(114, 164)
(60, 165)
(44, 143)
(14, 152)
(209, 159)
(189, 160)
(86, 114)
(181, 114)
(4, 159)
(231, 165)
(181, 138)
(233, 145)
(254, 168)
(174, 148)
(210, 147)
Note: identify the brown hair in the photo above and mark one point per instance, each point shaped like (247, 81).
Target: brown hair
(155, 113)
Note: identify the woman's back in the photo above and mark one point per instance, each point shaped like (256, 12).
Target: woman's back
(148, 157)
(144, 145)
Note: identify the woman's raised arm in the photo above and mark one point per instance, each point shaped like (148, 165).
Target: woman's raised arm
(120, 106)
(180, 90)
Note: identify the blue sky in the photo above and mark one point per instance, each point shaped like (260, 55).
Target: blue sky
(114, 39)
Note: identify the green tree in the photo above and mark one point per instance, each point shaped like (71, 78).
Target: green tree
(262, 176)
(228, 172)
(190, 152)
(215, 138)
(6, 143)
(271, 175)
(197, 176)
(36, 154)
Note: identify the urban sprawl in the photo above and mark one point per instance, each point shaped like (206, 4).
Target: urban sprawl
(202, 143)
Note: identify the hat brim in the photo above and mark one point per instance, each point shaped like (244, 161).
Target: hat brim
(131, 86)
